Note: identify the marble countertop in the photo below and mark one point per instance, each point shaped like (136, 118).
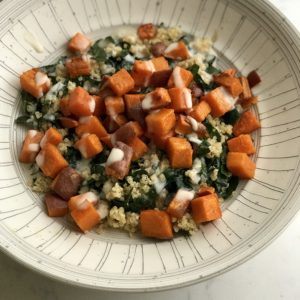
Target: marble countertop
(271, 275)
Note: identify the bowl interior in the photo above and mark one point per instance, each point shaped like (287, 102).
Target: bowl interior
(248, 36)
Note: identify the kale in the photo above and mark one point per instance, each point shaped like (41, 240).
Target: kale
(176, 179)
(210, 68)
(27, 121)
(146, 201)
(212, 131)
(97, 51)
(72, 155)
(231, 116)
(202, 149)
(97, 183)
(186, 38)
(198, 79)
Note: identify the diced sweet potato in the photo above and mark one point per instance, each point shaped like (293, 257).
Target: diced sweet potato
(178, 51)
(253, 79)
(147, 31)
(157, 99)
(137, 128)
(162, 71)
(229, 72)
(118, 161)
(90, 124)
(206, 208)
(246, 93)
(86, 217)
(133, 104)
(79, 43)
(156, 224)
(220, 101)
(99, 106)
(78, 66)
(50, 161)
(139, 148)
(161, 121)
(106, 140)
(68, 122)
(232, 84)
(180, 78)
(181, 99)
(239, 164)
(242, 143)
(121, 82)
(247, 102)
(200, 111)
(127, 132)
(66, 183)
(89, 146)
(160, 141)
(81, 103)
(114, 105)
(182, 126)
(142, 71)
(56, 207)
(179, 204)
(198, 127)
(35, 82)
(52, 136)
(247, 123)
(31, 146)
(75, 202)
(180, 152)
(205, 190)
(112, 123)
(64, 106)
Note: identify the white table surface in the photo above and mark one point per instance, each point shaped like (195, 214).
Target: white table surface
(271, 275)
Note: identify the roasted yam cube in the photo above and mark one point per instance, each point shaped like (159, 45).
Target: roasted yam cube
(162, 71)
(99, 106)
(133, 106)
(64, 106)
(76, 201)
(200, 111)
(31, 146)
(56, 207)
(180, 152)
(180, 202)
(160, 140)
(52, 136)
(183, 126)
(35, 82)
(139, 148)
(121, 82)
(79, 43)
(68, 122)
(232, 84)
(247, 123)
(181, 99)
(147, 31)
(247, 102)
(50, 161)
(178, 51)
(239, 164)
(242, 143)
(127, 132)
(220, 101)
(253, 79)
(90, 124)
(161, 122)
(180, 78)
(157, 99)
(89, 146)
(156, 224)
(81, 103)
(114, 105)
(112, 123)
(206, 208)
(142, 71)
(118, 161)
(205, 190)
(246, 93)
(78, 66)
(67, 183)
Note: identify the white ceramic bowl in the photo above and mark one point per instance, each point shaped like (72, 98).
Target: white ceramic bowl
(251, 35)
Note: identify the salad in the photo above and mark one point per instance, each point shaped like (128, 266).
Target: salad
(138, 131)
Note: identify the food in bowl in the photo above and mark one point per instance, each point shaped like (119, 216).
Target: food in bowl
(138, 132)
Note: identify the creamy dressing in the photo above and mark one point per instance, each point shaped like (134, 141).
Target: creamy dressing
(41, 79)
(32, 40)
(183, 195)
(193, 138)
(158, 184)
(115, 155)
(150, 67)
(171, 48)
(103, 209)
(32, 133)
(188, 98)
(227, 97)
(83, 150)
(44, 140)
(34, 147)
(193, 123)
(92, 104)
(40, 159)
(147, 102)
(178, 82)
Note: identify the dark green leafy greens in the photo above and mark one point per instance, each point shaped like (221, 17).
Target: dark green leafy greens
(231, 117)
(198, 79)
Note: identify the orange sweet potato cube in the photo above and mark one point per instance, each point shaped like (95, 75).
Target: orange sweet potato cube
(81, 103)
(180, 78)
(162, 71)
(99, 106)
(91, 124)
(133, 106)
(181, 99)
(180, 152)
(113, 123)
(206, 208)
(200, 111)
(160, 140)
(239, 164)
(157, 99)
(79, 43)
(64, 106)
(205, 190)
(142, 71)
(31, 146)
(178, 51)
(121, 82)
(220, 101)
(182, 126)
(156, 224)
(139, 148)
(35, 82)
(232, 84)
(246, 93)
(86, 217)
(114, 105)
(242, 143)
(50, 160)
(247, 102)
(161, 122)
(52, 136)
(247, 123)
(56, 206)
(68, 122)
(89, 146)
(78, 66)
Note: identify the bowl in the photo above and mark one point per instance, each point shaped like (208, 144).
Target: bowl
(249, 35)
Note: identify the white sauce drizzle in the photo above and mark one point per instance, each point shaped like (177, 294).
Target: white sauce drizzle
(188, 98)
(147, 102)
(183, 195)
(115, 155)
(178, 82)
